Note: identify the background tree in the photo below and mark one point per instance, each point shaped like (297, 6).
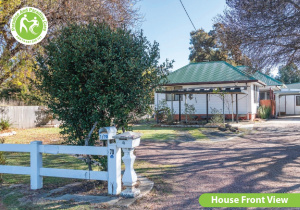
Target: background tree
(93, 73)
(288, 74)
(204, 47)
(15, 58)
(268, 32)
(210, 47)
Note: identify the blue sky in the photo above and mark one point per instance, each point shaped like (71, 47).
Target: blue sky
(166, 22)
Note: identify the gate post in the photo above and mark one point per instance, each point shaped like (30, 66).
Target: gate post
(36, 163)
(114, 169)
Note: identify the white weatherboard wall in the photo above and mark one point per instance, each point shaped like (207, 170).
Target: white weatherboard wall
(22, 116)
(245, 102)
(291, 104)
(288, 105)
(254, 105)
(214, 101)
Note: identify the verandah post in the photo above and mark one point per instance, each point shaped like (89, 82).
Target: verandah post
(179, 107)
(237, 108)
(206, 108)
(114, 169)
(36, 163)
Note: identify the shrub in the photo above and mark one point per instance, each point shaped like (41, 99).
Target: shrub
(95, 73)
(163, 112)
(264, 112)
(189, 111)
(217, 117)
(4, 124)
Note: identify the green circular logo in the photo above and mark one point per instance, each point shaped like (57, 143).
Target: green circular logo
(29, 25)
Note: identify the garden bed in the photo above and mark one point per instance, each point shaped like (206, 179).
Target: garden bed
(190, 126)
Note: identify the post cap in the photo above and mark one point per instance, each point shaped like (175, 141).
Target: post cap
(128, 135)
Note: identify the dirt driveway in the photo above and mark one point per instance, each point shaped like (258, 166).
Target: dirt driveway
(268, 160)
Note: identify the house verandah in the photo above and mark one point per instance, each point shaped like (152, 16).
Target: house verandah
(211, 86)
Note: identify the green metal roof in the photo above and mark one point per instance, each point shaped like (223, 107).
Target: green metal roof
(262, 77)
(293, 85)
(208, 72)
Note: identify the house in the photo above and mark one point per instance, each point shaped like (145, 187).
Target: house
(216, 85)
(288, 100)
(266, 93)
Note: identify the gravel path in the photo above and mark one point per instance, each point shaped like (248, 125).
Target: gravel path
(265, 161)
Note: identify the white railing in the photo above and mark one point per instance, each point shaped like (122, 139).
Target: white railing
(36, 170)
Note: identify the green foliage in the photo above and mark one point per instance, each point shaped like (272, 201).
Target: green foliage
(21, 86)
(211, 47)
(163, 112)
(17, 78)
(264, 112)
(95, 73)
(217, 117)
(189, 111)
(288, 74)
(5, 124)
(204, 47)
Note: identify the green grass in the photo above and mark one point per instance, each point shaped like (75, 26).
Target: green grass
(52, 136)
(166, 133)
(49, 161)
(196, 133)
(25, 136)
(156, 133)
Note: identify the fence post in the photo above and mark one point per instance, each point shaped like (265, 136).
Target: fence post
(36, 162)
(114, 169)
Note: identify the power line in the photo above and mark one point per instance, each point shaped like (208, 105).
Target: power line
(187, 14)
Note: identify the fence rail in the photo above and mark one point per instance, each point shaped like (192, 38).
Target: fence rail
(36, 170)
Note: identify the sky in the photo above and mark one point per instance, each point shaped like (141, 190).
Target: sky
(166, 22)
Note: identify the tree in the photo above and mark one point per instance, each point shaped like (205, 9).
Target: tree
(204, 47)
(117, 13)
(93, 73)
(267, 31)
(288, 74)
(210, 47)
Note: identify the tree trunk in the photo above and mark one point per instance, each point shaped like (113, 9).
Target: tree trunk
(86, 143)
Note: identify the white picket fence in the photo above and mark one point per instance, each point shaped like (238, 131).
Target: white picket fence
(36, 170)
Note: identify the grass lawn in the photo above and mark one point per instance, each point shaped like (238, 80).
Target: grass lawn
(25, 136)
(52, 136)
(167, 133)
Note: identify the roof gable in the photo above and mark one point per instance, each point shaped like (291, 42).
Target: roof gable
(208, 72)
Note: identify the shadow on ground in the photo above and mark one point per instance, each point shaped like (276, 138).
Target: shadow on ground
(265, 161)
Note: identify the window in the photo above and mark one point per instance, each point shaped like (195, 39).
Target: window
(297, 100)
(262, 96)
(175, 97)
(268, 95)
(169, 97)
